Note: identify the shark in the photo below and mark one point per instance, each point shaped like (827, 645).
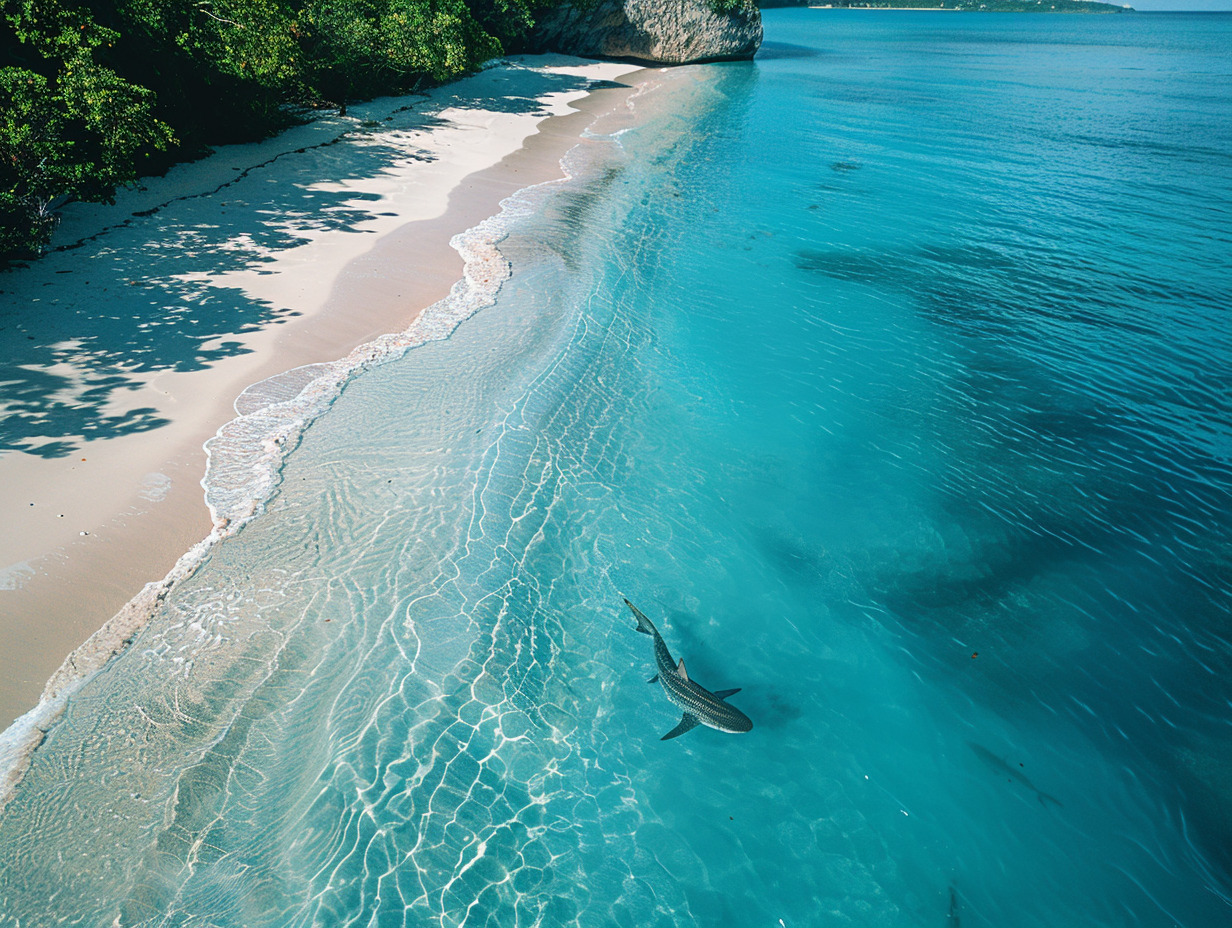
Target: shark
(1001, 766)
(700, 706)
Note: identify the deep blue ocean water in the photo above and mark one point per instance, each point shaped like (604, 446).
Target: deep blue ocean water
(889, 374)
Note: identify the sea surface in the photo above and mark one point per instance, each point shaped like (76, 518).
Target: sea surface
(889, 374)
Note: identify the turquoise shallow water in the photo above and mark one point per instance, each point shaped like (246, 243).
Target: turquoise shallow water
(889, 375)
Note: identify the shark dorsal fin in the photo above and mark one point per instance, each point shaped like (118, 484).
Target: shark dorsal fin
(680, 669)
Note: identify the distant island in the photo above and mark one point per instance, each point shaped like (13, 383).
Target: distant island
(969, 6)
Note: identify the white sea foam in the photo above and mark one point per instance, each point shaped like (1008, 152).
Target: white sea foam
(245, 456)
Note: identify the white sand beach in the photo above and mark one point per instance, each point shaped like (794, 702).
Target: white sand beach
(97, 511)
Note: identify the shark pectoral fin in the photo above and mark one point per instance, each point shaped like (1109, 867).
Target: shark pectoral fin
(686, 723)
(684, 674)
(723, 694)
(654, 679)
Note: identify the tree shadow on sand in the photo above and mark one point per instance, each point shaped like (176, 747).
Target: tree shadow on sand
(81, 331)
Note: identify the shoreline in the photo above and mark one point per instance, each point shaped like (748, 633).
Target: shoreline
(137, 495)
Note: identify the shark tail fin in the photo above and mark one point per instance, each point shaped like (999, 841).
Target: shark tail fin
(644, 625)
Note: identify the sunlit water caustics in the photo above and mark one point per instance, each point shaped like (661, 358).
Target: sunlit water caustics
(889, 375)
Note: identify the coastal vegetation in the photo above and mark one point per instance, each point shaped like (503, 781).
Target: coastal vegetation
(94, 94)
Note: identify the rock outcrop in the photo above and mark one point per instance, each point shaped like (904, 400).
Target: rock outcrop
(650, 31)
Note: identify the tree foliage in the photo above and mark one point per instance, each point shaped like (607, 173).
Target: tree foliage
(94, 93)
(69, 125)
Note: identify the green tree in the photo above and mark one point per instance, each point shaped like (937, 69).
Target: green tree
(223, 69)
(364, 47)
(69, 126)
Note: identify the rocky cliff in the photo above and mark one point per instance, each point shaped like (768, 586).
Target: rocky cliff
(651, 31)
